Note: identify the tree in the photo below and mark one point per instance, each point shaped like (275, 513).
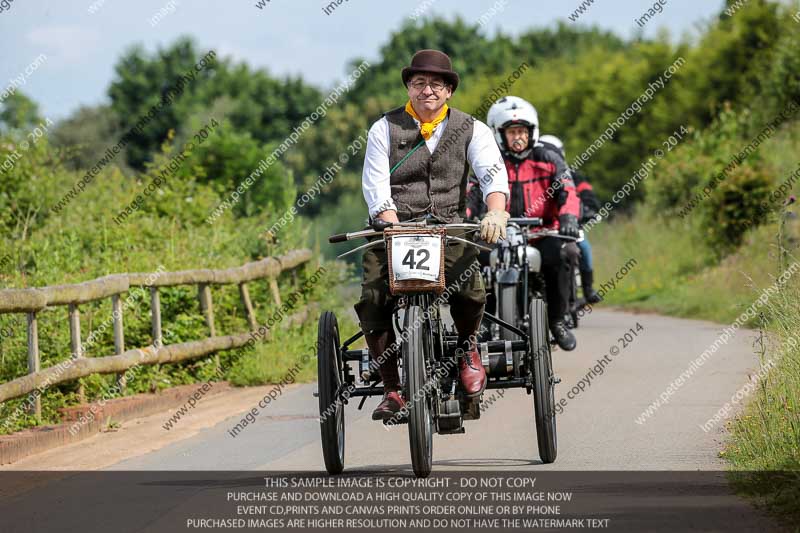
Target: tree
(144, 81)
(265, 107)
(226, 159)
(470, 51)
(86, 135)
(19, 112)
(726, 64)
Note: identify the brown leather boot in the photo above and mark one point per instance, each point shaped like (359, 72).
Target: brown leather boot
(472, 373)
(390, 406)
(379, 344)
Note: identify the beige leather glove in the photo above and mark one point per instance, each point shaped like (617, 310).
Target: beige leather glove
(493, 225)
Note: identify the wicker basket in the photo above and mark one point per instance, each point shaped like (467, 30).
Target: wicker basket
(414, 285)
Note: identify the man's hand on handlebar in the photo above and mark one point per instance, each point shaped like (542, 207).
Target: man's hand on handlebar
(493, 225)
(568, 226)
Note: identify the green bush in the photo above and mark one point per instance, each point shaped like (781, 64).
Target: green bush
(703, 179)
(226, 159)
(83, 241)
(733, 207)
(675, 178)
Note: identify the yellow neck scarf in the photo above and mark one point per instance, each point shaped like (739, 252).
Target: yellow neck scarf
(426, 128)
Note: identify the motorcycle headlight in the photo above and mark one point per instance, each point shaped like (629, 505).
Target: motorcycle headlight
(534, 259)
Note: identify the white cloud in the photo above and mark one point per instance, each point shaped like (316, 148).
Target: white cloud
(65, 45)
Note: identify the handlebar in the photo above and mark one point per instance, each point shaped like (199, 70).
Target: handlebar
(366, 233)
(526, 221)
(378, 225)
(377, 229)
(555, 233)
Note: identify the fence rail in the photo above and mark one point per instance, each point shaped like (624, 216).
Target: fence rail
(33, 301)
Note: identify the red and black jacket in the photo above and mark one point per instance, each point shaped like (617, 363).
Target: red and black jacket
(475, 206)
(590, 205)
(541, 186)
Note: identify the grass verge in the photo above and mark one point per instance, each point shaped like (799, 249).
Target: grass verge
(764, 445)
(675, 275)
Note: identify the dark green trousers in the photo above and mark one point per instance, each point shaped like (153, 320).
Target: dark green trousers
(463, 287)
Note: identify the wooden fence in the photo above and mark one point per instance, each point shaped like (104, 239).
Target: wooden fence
(33, 301)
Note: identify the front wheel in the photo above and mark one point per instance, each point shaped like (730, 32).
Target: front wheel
(329, 381)
(507, 306)
(540, 365)
(417, 397)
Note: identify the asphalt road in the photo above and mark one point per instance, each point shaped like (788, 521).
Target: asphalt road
(597, 431)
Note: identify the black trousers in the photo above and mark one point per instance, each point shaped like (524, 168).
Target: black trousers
(559, 259)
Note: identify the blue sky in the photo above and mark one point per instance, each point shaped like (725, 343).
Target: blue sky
(285, 37)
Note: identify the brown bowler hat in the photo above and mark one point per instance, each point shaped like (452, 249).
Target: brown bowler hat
(433, 62)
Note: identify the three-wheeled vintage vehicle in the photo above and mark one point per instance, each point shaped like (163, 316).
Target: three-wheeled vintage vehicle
(430, 384)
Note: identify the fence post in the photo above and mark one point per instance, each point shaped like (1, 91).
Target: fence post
(207, 308)
(244, 292)
(155, 314)
(75, 342)
(119, 334)
(276, 294)
(34, 362)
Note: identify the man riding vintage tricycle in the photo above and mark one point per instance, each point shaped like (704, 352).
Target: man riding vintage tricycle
(421, 255)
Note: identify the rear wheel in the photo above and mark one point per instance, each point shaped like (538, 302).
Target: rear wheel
(329, 380)
(507, 305)
(417, 397)
(541, 367)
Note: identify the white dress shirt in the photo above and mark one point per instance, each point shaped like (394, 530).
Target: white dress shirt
(483, 155)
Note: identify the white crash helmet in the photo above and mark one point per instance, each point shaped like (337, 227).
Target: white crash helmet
(511, 111)
(555, 142)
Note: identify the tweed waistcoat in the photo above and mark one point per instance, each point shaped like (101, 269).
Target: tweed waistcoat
(429, 183)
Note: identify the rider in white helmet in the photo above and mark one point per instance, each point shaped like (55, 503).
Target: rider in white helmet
(556, 143)
(541, 186)
(589, 209)
(510, 111)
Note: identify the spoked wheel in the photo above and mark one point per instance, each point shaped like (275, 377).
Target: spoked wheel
(507, 305)
(329, 379)
(420, 430)
(541, 367)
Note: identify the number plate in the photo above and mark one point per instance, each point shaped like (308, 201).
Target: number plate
(416, 257)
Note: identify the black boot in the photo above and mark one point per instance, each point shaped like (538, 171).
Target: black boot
(587, 279)
(564, 337)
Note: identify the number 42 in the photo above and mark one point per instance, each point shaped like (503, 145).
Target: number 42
(417, 263)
